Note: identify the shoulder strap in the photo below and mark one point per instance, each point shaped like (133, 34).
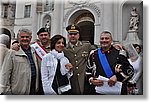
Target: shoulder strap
(40, 51)
(105, 64)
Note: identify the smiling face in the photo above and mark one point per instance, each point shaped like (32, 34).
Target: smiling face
(59, 45)
(24, 39)
(105, 41)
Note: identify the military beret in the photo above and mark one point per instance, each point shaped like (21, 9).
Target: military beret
(73, 29)
(42, 30)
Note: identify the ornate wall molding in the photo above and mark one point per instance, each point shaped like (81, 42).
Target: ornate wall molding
(91, 6)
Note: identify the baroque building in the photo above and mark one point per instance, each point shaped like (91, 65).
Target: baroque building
(92, 16)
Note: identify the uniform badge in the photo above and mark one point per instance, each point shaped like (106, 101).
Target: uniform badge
(84, 54)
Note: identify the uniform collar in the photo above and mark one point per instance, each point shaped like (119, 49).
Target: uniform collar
(47, 47)
(79, 43)
(107, 51)
(20, 52)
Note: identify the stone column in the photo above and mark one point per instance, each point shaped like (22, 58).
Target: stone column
(108, 17)
(34, 21)
(57, 22)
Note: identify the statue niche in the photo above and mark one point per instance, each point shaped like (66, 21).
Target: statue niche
(134, 20)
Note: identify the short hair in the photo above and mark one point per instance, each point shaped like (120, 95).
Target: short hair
(106, 32)
(54, 40)
(6, 32)
(4, 39)
(23, 30)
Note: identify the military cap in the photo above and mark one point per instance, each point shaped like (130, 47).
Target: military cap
(72, 29)
(42, 30)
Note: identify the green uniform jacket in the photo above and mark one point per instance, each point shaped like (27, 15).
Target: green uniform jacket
(78, 55)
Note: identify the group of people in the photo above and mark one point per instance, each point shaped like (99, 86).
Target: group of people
(51, 66)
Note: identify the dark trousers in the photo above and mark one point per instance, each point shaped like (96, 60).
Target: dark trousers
(88, 88)
(32, 87)
(40, 91)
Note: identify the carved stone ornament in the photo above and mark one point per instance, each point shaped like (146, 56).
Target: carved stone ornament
(78, 2)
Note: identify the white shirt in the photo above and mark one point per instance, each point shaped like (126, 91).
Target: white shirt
(137, 65)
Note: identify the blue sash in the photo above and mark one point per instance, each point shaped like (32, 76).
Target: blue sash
(105, 63)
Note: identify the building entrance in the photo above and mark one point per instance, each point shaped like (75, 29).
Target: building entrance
(87, 31)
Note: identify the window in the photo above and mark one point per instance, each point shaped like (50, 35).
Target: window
(4, 11)
(27, 11)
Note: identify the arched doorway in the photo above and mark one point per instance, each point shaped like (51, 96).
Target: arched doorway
(85, 20)
(87, 31)
(86, 23)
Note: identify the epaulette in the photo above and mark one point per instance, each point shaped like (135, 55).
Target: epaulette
(123, 52)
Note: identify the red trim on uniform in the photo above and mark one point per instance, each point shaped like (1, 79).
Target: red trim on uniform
(42, 47)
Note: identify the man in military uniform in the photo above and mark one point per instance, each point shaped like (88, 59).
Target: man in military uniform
(110, 63)
(77, 52)
(42, 47)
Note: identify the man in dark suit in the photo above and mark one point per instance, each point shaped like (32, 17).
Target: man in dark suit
(110, 63)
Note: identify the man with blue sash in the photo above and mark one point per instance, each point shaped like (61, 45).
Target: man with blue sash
(110, 63)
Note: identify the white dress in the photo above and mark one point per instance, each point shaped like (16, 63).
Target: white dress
(138, 73)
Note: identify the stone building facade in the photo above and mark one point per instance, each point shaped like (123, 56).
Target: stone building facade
(92, 16)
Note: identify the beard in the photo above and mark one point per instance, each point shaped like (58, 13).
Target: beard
(44, 40)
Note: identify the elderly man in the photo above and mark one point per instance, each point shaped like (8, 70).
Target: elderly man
(4, 41)
(109, 63)
(41, 47)
(20, 71)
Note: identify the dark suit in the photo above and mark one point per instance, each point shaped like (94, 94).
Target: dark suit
(113, 58)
